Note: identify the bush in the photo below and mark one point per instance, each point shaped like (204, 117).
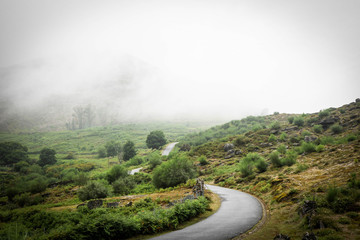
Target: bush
(102, 152)
(290, 120)
(241, 140)
(173, 172)
(289, 159)
(320, 148)
(272, 138)
(93, 190)
(336, 128)
(275, 125)
(37, 185)
(246, 168)
(332, 194)
(155, 159)
(324, 113)
(12, 152)
(47, 157)
(318, 128)
(275, 159)
(203, 160)
(350, 138)
(283, 137)
(70, 155)
(129, 150)
(308, 147)
(261, 165)
(299, 121)
(123, 186)
(21, 166)
(281, 149)
(155, 140)
(112, 148)
(116, 172)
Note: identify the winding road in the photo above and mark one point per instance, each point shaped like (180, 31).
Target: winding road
(169, 148)
(238, 213)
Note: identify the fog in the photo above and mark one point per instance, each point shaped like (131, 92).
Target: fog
(137, 60)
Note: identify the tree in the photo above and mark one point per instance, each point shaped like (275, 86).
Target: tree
(129, 150)
(12, 152)
(112, 148)
(116, 172)
(47, 157)
(93, 190)
(156, 139)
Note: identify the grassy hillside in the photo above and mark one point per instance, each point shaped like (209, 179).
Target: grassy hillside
(288, 160)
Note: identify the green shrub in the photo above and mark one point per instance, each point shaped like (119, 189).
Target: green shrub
(275, 159)
(272, 138)
(283, 137)
(324, 113)
(301, 168)
(93, 190)
(275, 125)
(21, 166)
(336, 128)
(154, 159)
(353, 181)
(116, 172)
(135, 161)
(308, 147)
(241, 140)
(289, 159)
(318, 128)
(47, 157)
(299, 121)
(281, 149)
(202, 160)
(112, 148)
(351, 138)
(261, 165)
(331, 194)
(123, 186)
(246, 168)
(327, 140)
(290, 120)
(12, 152)
(320, 148)
(102, 152)
(81, 179)
(70, 155)
(129, 150)
(37, 185)
(155, 140)
(173, 172)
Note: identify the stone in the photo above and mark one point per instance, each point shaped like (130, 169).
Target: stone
(94, 204)
(309, 207)
(327, 122)
(238, 152)
(229, 156)
(310, 138)
(129, 204)
(281, 237)
(309, 236)
(228, 146)
(357, 100)
(112, 205)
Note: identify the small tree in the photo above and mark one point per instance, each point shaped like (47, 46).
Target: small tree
(155, 140)
(299, 121)
(129, 150)
(112, 148)
(116, 172)
(47, 157)
(93, 190)
(12, 152)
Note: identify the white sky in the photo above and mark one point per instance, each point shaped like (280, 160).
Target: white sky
(208, 58)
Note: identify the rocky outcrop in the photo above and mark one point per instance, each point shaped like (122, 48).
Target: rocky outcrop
(95, 204)
(228, 146)
(327, 122)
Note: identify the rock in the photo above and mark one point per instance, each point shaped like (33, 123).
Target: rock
(281, 237)
(327, 122)
(229, 156)
(265, 144)
(309, 236)
(112, 205)
(129, 204)
(357, 100)
(274, 131)
(228, 147)
(188, 197)
(291, 129)
(81, 205)
(238, 152)
(308, 207)
(94, 204)
(310, 138)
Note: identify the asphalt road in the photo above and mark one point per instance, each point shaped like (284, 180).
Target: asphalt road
(238, 213)
(169, 148)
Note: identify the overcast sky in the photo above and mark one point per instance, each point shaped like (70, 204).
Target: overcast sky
(199, 58)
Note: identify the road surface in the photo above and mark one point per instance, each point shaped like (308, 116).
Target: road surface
(238, 213)
(169, 148)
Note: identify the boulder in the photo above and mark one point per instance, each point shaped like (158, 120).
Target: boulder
(310, 138)
(129, 204)
(228, 147)
(238, 152)
(112, 205)
(281, 237)
(327, 122)
(309, 236)
(95, 204)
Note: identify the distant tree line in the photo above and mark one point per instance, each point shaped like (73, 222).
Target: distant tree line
(82, 117)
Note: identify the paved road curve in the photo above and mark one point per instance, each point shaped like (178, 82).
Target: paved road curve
(238, 213)
(169, 148)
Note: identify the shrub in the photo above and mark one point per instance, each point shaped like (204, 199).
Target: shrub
(37, 185)
(155, 159)
(241, 140)
(318, 128)
(261, 165)
(331, 194)
(281, 149)
(272, 138)
(246, 168)
(112, 148)
(283, 137)
(47, 157)
(155, 140)
(173, 172)
(308, 147)
(324, 113)
(351, 138)
(336, 128)
(290, 120)
(93, 190)
(275, 125)
(70, 155)
(289, 159)
(129, 150)
(203, 160)
(116, 172)
(299, 121)
(12, 152)
(21, 166)
(275, 159)
(102, 152)
(123, 186)
(320, 148)
(81, 179)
